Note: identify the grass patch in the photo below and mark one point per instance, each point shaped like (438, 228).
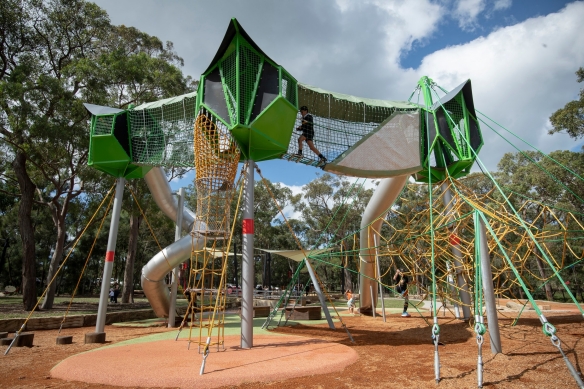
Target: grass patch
(388, 302)
(51, 313)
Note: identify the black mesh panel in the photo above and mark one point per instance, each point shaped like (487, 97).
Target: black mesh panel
(214, 96)
(268, 89)
(121, 132)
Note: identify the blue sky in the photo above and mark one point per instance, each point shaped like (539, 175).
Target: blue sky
(520, 55)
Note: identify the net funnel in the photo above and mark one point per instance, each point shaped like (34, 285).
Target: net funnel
(216, 159)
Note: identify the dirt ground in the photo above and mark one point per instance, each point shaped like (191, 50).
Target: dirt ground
(398, 353)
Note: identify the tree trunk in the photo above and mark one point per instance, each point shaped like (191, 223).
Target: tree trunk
(3, 257)
(25, 225)
(59, 220)
(548, 290)
(347, 281)
(128, 291)
(521, 292)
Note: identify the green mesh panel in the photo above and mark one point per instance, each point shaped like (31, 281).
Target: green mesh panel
(249, 71)
(456, 123)
(162, 134)
(103, 125)
(229, 74)
(289, 88)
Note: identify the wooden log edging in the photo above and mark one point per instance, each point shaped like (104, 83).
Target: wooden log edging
(74, 321)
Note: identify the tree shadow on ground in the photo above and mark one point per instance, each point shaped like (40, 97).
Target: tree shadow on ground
(386, 333)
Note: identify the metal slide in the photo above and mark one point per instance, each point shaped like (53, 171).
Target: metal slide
(383, 197)
(154, 272)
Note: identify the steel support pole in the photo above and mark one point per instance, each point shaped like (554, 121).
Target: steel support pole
(489, 292)
(452, 290)
(458, 258)
(247, 262)
(177, 236)
(379, 275)
(109, 255)
(373, 308)
(320, 295)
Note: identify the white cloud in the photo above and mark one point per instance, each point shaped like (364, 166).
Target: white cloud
(408, 21)
(288, 210)
(502, 4)
(520, 75)
(467, 12)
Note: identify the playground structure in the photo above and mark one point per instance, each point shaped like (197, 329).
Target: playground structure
(246, 108)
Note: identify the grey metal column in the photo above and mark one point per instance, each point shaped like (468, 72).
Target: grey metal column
(458, 259)
(109, 255)
(489, 293)
(320, 295)
(177, 236)
(379, 275)
(247, 263)
(452, 290)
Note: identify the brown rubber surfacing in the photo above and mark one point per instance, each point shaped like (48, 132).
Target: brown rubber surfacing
(168, 363)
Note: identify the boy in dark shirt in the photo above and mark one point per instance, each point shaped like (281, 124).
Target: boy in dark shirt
(402, 288)
(307, 128)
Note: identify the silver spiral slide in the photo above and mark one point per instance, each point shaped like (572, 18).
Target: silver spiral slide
(383, 197)
(154, 272)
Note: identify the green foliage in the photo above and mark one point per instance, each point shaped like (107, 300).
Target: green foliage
(570, 119)
(56, 55)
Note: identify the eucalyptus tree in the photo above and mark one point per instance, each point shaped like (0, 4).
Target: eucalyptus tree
(56, 55)
(570, 119)
(331, 208)
(555, 181)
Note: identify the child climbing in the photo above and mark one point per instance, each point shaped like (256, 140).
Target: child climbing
(402, 288)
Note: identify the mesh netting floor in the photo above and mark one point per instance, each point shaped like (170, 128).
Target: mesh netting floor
(168, 363)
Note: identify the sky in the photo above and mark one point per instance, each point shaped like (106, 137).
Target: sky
(520, 55)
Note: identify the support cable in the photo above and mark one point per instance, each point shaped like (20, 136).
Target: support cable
(17, 334)
(86, 262)
(522, 222)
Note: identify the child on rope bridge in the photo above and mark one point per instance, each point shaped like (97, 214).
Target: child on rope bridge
(307, 128)
(402, 288)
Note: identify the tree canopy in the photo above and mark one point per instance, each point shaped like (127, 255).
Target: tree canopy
(570, 119)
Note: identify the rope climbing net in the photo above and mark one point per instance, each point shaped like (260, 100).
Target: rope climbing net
(217, 157)
(405, 242)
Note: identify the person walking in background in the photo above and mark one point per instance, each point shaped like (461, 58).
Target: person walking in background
(116, 293)
(402, 288)
(307, 128)
(350, 301)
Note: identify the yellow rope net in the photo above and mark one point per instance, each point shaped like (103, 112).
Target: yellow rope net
(405, 240)
(216, 159)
